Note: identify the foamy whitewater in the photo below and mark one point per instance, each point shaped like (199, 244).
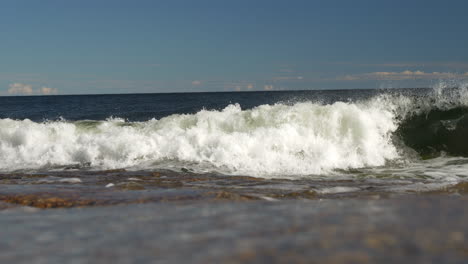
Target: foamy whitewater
(279, 140)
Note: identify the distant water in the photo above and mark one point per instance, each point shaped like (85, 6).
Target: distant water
(351, 134)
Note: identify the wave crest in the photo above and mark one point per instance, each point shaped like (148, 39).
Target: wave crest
(304, 138)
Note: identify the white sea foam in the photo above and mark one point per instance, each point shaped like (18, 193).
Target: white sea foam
(338, 189)
(300, 139)
(52, 179)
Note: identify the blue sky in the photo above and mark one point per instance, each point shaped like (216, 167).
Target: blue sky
(114, 46)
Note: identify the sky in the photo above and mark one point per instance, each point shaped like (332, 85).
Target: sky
(142, 46)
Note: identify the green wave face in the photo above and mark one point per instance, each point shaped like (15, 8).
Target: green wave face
(435, 131)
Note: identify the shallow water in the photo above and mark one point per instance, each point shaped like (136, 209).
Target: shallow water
(403, 230)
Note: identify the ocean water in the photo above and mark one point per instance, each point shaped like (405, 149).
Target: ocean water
(415, 138)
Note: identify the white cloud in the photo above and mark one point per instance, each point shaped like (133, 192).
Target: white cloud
(20, 89)
(287, 78)
(48, 90)
(196, 83)
(348, 78)
(404, 75)
(250, 86)
(451, 65)
(26, 89)
(268, 87)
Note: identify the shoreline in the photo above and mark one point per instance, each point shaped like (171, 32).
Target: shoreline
(177, 217)
(64, 189)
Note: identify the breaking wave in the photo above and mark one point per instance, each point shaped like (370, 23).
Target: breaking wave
(300, 139)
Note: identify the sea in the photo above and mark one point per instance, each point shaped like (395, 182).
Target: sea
(325, 176)
(333, 141)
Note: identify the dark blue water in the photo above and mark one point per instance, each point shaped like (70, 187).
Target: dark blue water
(142, 107)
